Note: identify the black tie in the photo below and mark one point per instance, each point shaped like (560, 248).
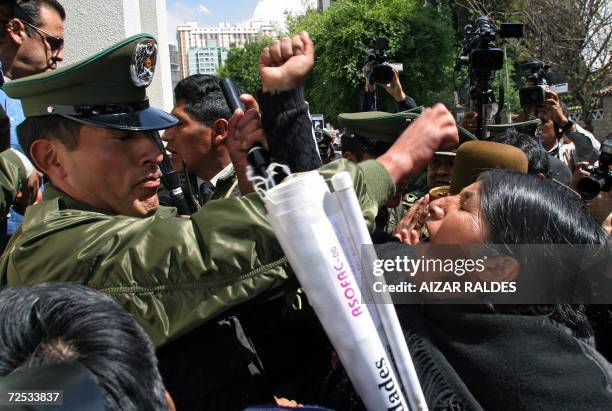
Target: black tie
(206, 190)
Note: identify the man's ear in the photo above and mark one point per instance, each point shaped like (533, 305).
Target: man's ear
(46, 158)
(499, 268)
(220, 127)
(350, 156)
(15, 30)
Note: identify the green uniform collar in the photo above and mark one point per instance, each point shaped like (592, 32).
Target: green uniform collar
(67, 202)
(52, 192)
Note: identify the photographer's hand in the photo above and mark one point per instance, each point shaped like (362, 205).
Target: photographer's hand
(284, 63)
(395, 87)
(367, 71)
(470, 121)
(579, 174)
(412, 151)
(555, 112)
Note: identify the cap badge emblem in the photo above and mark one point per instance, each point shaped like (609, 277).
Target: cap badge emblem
(142, 68)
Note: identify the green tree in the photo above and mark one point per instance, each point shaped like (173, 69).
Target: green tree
(420, 36)
(242, 65)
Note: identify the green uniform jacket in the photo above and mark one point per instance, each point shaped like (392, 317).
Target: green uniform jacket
(171, 273)
(226, 187)
(12, 176)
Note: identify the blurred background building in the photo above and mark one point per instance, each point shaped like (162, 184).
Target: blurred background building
(175, 65)
(205, 39)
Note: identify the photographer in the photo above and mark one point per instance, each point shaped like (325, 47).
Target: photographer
(394, 88)
(555, 125)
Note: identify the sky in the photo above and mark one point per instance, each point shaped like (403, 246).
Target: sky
(211, 12)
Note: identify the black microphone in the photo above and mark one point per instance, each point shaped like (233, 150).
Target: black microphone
(258, 158)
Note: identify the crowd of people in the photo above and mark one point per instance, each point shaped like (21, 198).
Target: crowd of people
(201, 310)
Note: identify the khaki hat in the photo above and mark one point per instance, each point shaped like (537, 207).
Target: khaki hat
(107, 89)
(386, 127)
(474, 157)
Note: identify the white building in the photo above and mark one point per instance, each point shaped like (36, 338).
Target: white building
(190, 35)
(175, 65)
(93, 25)
(206, 60)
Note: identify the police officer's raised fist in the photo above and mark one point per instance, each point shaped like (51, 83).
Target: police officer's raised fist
(285, 62)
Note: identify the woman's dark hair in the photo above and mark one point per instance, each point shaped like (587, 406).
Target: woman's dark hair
(56, 323)
(521, 209)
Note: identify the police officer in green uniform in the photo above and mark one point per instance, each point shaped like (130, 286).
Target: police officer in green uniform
(88, 129)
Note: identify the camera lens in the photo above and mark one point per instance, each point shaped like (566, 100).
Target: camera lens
(589, 187)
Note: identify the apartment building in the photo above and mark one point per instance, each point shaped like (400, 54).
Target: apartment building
(189, 36)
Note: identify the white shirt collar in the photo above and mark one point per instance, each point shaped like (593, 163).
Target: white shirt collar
(221, 174)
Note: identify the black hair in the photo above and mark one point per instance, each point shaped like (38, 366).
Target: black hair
(348, 143)
(359, 146)
(522, 209)
(56, 323)
(60, 128)
(537, 157)
(203, 98)
(32, 9)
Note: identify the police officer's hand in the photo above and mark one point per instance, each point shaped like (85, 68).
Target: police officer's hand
(412, 151)
(395, 87)
(284, 63)
(29, 194)
(244, 131)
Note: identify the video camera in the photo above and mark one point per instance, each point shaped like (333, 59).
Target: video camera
(482, 57)
(479, 51)
(601, 176)
(382, 71)
(534, 95)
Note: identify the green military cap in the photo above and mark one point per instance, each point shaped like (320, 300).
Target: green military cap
(386, 127)
(107, 89)
(376, 125)
(526, 127)
(474, 157)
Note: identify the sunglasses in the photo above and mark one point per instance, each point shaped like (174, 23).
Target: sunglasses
(54, 42)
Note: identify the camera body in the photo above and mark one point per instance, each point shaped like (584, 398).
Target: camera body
(601, 176)
(382, 71)
(534, 95)
(479, 50)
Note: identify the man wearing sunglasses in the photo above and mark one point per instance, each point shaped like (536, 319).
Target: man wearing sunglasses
(31, 37)
(31, 42)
